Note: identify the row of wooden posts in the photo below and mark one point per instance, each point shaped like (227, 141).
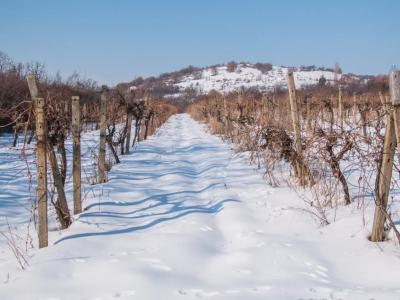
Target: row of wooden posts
(42, 150)
(391, 140)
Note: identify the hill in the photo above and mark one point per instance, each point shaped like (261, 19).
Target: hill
(232, 77)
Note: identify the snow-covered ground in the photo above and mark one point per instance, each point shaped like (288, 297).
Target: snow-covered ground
(15, 196)
(247, 76)
(183, 217)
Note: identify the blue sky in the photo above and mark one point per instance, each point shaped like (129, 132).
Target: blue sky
(114, 41)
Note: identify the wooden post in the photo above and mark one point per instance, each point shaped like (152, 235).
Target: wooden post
(76, 154)
(263, 106)
(41, 162)
(340, 109)
(355, 108)
(41, 167)
(34, 94)
(308, 104)
(225, 113)
(84, 116)
(363, 108)
(129, 116)
(395, 95)
(381, 99)
(32, 86)
(16, 129)
(240, 97)
(102, 144)
(385, 172)
(296, 126)
(147, 111)
(66, 107)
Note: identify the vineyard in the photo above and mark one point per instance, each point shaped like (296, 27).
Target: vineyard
(327, 142)
(56, 168)
(188, 150)
(112, 177)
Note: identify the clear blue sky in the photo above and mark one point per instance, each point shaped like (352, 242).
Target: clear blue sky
(113, 41)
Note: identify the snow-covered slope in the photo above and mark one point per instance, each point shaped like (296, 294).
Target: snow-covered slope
(247, 76)
(183, 217)
(193, 81)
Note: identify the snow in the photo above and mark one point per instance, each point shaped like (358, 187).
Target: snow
(184, 217)
(14, 201)
(247, 76)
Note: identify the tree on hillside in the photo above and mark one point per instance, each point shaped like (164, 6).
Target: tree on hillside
(214, 70)
(263, 67)
(322, 81)
(231, 66)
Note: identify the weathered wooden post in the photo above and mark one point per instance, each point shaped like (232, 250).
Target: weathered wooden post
(32, 86)
(395, 95)
(16, 128)
(225, 117)
(363, 109)
(129, 116)
(263, 106)
(76, 154)
(66, 107)
(147, 111)
(341, 115)
(84, 116)
(41, 162)
(102, 144)
(381, 99)
(308, 104)
(41, 166)
(385, 172)
(355, 109)
(296, 127)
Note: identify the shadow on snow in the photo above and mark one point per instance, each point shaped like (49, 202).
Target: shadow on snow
(180, 210)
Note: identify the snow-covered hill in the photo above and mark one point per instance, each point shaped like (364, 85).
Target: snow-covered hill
(247, 76)
(192, 81)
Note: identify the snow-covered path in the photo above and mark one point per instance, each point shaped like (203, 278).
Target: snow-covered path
(184, 218)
